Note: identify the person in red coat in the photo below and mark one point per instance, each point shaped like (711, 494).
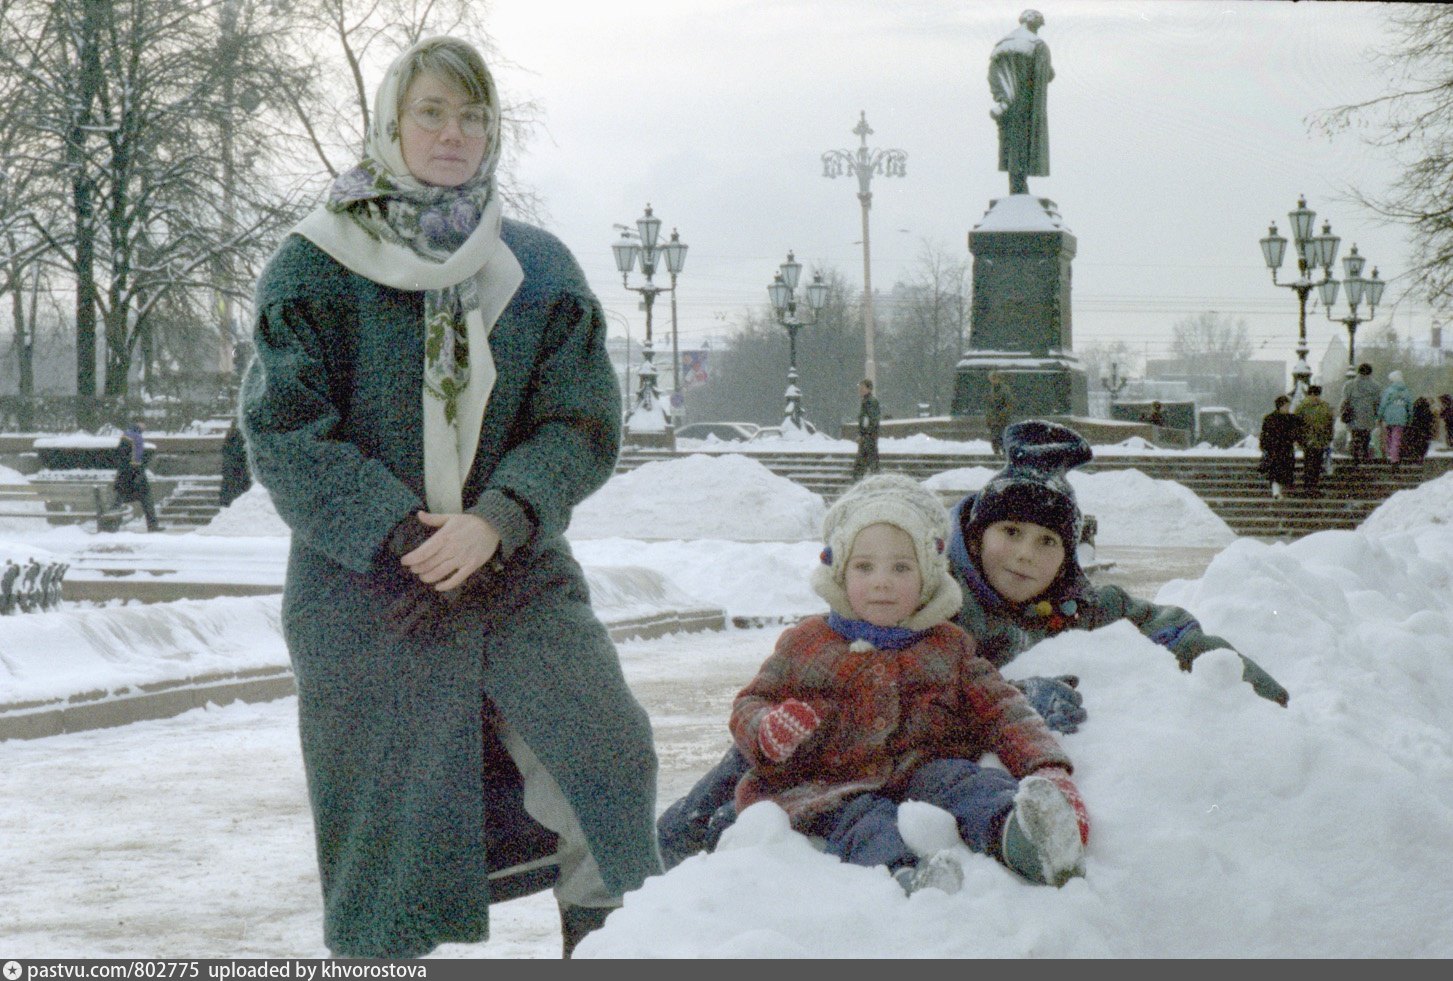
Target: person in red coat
(884, 701)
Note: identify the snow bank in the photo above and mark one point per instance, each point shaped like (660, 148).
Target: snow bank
(762, 579)
(1130, 507)
(251, 515)
(1223, 825)
(725, 496)
(60, 653)
(1427, 504)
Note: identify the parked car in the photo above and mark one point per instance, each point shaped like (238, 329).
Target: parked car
(719, 432)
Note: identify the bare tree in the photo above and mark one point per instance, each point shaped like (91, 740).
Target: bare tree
(749, 377)
(1414, 122)
(925, 338)
(328, 90)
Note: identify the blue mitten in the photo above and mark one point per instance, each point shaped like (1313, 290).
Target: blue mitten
(1056, 700)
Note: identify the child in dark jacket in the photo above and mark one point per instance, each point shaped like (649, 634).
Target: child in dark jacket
(1032, 493)
(1013, 550)
(883, 700)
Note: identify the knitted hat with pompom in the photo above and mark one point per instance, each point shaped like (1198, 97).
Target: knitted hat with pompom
(900, 501)
(1033, 487)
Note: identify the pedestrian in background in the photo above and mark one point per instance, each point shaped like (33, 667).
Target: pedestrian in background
(1279, 431)
(1445, 412)
(236, 477)
(1394, 411)
(130, 484)
(1359, 411)
(998, 410)
(1418, 437)
(1315, 437)
(870, 416)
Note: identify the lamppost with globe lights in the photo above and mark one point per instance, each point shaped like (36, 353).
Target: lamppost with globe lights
(782, 292)
(1358, 289)
(1313, 251)
(641, 247)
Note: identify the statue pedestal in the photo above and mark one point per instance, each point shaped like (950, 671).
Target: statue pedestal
(1020, 324)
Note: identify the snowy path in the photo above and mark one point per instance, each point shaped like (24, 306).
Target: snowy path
(191, 837)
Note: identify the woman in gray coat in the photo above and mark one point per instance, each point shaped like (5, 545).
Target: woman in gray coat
(430, 398)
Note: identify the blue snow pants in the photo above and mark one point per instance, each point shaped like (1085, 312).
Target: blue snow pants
(864, 830)
(695, 822)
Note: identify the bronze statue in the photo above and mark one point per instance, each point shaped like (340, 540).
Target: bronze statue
(1019, 77)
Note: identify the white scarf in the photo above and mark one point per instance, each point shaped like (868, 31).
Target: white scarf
(449, 446)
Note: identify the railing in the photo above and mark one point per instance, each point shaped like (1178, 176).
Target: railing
(31, 587)
(64, 413)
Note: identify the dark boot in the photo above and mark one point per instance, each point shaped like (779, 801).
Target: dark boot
(577, 921)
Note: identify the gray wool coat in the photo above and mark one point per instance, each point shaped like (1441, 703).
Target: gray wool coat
(413, 806)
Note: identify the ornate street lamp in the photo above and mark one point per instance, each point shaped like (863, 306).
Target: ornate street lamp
(640, 247)
(1116, 383)
(1358, 289)
(1312, 251)
(863, 163)
(782, 292)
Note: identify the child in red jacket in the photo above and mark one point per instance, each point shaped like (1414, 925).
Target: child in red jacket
(884, 701)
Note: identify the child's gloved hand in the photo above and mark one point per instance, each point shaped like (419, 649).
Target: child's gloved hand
(1061, 779)
(785, 728)
(1056, 700)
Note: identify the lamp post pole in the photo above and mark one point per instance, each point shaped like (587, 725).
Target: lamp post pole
(782, 292)
(641, 247)
(863, 163)
(1312, 251)
(1358, 289)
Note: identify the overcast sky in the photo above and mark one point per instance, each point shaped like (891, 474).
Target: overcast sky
(1177, 133)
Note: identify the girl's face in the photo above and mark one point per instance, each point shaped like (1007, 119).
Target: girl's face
(432, 132)
(882, 579)
(1020, 559)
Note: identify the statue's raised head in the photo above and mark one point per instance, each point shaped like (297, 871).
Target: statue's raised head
(1032, 19)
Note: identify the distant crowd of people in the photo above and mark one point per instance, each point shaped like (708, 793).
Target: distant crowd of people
(1385, 423)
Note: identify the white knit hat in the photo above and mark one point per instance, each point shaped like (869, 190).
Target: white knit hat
(900, 501)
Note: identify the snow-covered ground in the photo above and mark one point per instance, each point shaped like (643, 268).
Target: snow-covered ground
(1223, 825)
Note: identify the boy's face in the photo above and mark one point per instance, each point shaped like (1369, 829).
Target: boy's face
(882, 578)
(1020, 559)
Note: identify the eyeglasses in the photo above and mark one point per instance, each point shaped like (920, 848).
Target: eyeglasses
(432, 115)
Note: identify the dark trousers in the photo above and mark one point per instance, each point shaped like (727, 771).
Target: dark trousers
(866, 461)
(864, 831)
(1313, 460)
(695, 822)
(1361, 440)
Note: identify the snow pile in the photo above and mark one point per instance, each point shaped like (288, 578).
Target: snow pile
(763, 579)
(1223, 825)
(57, 654)
(15, 549)
(251, 515)
(725, 496)
(1427, 504)
(9, 475)
(1130, 507)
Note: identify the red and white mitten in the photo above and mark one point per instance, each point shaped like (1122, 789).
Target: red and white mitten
(1066, 786)
(784, 728)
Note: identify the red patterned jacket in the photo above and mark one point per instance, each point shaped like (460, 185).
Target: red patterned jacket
(884, 714)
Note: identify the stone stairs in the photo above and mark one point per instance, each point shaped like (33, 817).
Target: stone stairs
(1229, 484)
(191, 503)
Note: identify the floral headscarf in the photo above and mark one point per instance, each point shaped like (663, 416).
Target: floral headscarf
(382, 223)
(384, 198)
